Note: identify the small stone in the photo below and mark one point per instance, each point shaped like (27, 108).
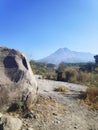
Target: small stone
(36, 116)
(28, 115)
(57, 122)
(75, 127)
(55, 114)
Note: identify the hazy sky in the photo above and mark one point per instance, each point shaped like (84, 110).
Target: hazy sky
(39, 27)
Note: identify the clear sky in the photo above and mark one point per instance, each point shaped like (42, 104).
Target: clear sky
(40, 27)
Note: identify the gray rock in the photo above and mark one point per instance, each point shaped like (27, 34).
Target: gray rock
(17, 81)
(30, 129)
(1, 115)
(10, 123)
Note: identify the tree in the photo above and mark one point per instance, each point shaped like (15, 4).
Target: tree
(61, 67)
(96, 59)
(60, 71)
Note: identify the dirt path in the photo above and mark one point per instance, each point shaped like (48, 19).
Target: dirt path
(76, 115)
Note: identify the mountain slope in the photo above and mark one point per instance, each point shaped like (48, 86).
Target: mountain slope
(68, 56)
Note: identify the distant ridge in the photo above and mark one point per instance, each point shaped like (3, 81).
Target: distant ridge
(68, 56)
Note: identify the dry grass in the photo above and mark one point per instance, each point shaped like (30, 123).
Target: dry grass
(61, 89)
(47, 105)
(44, 109)
(90, 97)
(71, 75)
(84, 77)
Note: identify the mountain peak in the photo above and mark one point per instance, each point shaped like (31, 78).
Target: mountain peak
(68, 56)
(64, 49)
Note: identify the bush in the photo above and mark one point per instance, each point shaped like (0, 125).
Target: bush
(51, 76)
(88, 67)
(84, 77)
(61, 89)
(92, 94)
(90, 97)
(71, 75)
(16, 106)
(43, 69)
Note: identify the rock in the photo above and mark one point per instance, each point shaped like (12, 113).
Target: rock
(30, 129)
(1, 115)
(28, 115)
(17, 81)
(55, 114)
(10, 123)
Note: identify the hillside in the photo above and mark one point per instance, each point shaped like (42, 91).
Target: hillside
(68, 56)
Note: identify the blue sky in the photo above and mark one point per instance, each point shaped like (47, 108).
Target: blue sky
(40, 27)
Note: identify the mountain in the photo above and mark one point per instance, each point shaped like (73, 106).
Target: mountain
(68, 56)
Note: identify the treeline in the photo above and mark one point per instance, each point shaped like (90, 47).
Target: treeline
(46, 70)
(82, 73)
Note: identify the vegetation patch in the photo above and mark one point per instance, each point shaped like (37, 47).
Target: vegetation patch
(44, 109)
(16, 106)
(90, 97)
(61, 89)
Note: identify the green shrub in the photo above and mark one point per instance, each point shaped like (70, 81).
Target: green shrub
(16, 106)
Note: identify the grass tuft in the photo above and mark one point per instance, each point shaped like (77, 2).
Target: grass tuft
(61, 89)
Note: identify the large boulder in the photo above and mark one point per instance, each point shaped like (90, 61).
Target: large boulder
(17, 81)
(10, 123)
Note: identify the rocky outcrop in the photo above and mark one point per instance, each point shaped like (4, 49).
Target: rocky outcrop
(17, 81)
(10, 123)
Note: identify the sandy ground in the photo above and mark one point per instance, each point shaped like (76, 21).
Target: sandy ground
(60, 111)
